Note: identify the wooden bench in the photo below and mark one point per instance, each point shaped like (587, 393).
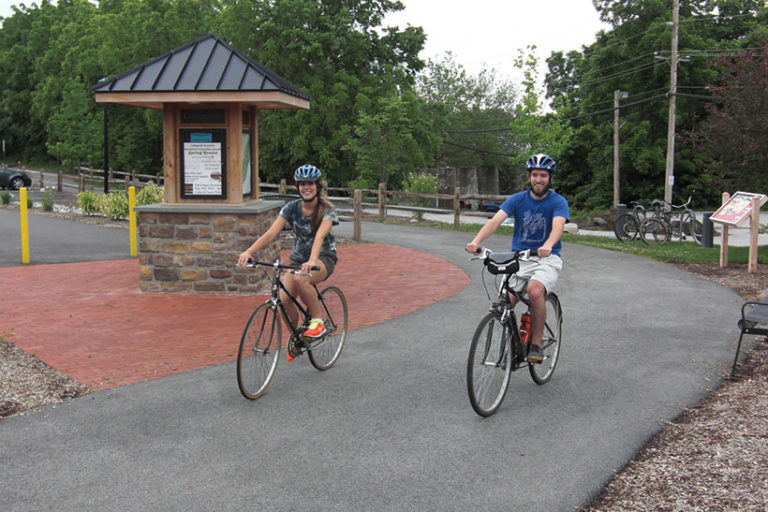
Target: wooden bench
(754, 320)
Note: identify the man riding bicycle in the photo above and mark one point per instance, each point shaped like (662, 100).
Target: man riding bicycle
(540, 215)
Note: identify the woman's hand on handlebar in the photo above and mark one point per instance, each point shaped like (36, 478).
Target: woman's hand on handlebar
(243, 259)
(309, 266)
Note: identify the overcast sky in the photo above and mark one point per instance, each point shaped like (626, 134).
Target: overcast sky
(487, 33)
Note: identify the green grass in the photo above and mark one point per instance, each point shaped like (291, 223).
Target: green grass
(672, 252)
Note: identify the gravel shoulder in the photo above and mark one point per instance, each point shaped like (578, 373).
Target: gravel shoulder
(713, 457)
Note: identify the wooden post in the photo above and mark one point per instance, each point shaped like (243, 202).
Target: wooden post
(42, 185)
(357, 215)
(60, 181)
(456, 208)
(724, 241)
(82, 182)
(382, 200)
(282, 188)
(753, 229)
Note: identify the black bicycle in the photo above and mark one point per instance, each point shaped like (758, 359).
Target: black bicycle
(497, 348)
(262, 338)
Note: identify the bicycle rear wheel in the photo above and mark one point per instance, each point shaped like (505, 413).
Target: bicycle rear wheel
(654, 231)
(542, 372)
(259, 352)
(489, 365)
(325, 352)
(625, 228)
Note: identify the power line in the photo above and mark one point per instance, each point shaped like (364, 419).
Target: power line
(476, 150)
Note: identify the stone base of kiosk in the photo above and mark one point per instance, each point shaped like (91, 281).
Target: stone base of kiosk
(194, 248)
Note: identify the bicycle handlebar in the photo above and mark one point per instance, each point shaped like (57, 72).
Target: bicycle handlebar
(252, 263)
(483, 252)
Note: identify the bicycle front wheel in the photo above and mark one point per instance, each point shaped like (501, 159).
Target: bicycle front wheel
(625, 228)
(542, 372)
(259, 352)
(654, 231)
(694, 228)
(489, 365)
(325, 352)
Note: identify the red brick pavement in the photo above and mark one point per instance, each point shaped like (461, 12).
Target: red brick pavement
(90, 321)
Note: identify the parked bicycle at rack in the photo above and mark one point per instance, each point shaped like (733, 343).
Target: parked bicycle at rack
(499, 346)
(262, 339)
(679, 221)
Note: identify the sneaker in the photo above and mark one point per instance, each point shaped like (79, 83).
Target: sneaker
(316, 328)
(293, 350)
(535, 355)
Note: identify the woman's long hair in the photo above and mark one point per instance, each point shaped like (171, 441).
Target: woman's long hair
(322, 205)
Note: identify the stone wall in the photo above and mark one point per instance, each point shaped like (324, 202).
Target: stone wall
(195, 249)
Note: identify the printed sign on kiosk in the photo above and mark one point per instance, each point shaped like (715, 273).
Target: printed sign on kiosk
(203, 163)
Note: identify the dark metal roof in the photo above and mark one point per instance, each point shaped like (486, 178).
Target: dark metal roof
(207, 64)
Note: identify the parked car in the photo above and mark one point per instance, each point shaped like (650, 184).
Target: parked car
(487, 205)
(14, 179)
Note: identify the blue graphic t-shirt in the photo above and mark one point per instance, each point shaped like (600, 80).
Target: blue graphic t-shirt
(302, 228)
(533, 219)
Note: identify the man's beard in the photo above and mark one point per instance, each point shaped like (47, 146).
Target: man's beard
(539, 196)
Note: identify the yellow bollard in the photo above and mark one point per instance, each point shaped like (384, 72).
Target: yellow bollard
(24, 225)
(132, 218)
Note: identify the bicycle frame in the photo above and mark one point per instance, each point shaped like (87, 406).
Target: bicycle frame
(509, 318)
(277, 303)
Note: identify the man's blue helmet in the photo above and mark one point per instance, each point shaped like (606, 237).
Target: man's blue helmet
(307, 173)
(541, 161)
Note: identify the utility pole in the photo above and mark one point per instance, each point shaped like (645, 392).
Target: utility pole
(617, 95)
(670, 173)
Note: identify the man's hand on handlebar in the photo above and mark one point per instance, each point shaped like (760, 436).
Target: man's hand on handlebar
(544, 251)
(472, 248)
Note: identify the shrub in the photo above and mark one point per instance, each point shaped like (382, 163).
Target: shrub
(421, 184)
(150, 194)
(47, 199)
(5, 197)
(113, 205)
(86, 201)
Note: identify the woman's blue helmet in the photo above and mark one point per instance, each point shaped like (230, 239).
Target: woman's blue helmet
(541, 161)
(307, 173)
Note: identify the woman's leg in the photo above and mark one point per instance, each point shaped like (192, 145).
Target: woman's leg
(307, 292)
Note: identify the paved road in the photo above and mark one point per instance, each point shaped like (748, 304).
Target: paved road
(390, 427)
(53, 240)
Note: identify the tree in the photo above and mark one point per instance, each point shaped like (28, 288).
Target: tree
(392, 138)
(634, 57)
(732, 143)
(339, 53)
(463, 107)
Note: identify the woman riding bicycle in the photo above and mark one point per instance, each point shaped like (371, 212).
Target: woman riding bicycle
(311, 218)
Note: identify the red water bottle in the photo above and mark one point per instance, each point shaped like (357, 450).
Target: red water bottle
(525, 327)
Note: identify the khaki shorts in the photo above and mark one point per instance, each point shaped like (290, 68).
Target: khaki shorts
(544, 270)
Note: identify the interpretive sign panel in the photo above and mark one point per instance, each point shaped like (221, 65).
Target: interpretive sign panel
(203, 168)
(738, 208)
